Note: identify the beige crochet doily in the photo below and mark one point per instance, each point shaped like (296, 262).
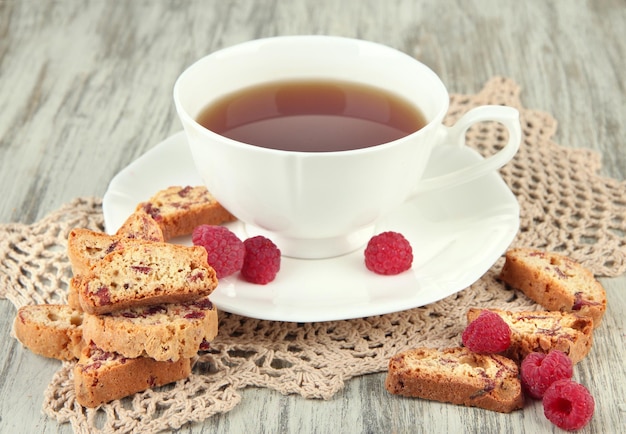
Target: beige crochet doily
(565, 206)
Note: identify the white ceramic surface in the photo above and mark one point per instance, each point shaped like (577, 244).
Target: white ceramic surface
(457, 234)
(323, 204)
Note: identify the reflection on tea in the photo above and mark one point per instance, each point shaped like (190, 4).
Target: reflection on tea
(312, 116)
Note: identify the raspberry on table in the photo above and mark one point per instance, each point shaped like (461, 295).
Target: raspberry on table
(487, 334)
(224, 249)
(388, 253)
(262, 260)
(568, 404)
(538, 371)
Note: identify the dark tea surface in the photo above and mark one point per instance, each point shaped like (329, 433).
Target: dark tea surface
(312, 116)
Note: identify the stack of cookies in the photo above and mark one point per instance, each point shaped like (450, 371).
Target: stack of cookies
(138, 310)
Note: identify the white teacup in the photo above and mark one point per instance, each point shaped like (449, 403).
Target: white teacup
(324, 204)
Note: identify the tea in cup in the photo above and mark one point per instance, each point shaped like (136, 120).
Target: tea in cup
(311, 140)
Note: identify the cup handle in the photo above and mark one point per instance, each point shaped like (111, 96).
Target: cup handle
(455, 135)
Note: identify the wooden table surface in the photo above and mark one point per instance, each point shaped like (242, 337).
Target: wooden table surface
(85, 88)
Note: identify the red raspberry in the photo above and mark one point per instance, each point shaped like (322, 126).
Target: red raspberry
(388, 253)
(568, 405)
(225, 251)
(262, 260)
(538, 371)
(488, 333)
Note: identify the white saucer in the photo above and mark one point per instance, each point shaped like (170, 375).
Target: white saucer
(456, 234)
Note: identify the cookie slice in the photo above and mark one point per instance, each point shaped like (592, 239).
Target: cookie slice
(178, 210)
(554, 281)
(101, 376)
(163, 332)
(50, 330)
(457, 376)
(145, 274)
(141, 226)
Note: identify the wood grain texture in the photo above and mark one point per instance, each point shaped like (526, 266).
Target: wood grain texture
(85, 88)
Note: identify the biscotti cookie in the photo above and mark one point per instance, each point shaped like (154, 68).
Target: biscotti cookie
(146, 274)
(543, 331)
(101, 376)
(554, 281)
(141, 226)
(178, 210)
(50, 330)
(457, 376)
(163, 332)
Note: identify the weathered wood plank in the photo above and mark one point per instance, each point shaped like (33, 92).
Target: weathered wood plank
(85, 88)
